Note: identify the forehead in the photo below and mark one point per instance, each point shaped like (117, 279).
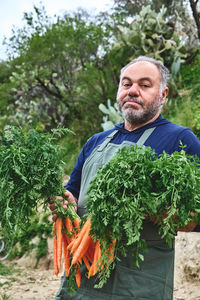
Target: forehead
(141, 70)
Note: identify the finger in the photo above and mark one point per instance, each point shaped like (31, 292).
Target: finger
(50, 201)
(65, 202)
(67, 193)
(64, 206)
(52, 206)
(54, 217)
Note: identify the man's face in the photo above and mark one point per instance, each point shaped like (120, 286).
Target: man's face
(139, 98)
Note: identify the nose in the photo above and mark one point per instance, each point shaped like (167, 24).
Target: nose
(133, 91)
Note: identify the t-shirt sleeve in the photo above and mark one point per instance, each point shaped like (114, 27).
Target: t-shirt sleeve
(74, 182)
(193, 148)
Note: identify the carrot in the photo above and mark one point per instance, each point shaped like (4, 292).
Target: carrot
(86, 262)
(55, 261)
(70, 229)
(77, 223)
(66, 256)
(111, 250)
(70, 245)
(81, 234)
(59, 236)
(78, 276)
(80, 261)
(82, 248)
(97, 255)
(90, 251)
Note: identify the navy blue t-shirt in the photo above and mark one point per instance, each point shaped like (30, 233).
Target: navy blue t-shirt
(166, 137)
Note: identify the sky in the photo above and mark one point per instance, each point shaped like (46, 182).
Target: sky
(11, 12)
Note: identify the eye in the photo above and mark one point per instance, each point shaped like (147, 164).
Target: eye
(126, 84)
(145, 85)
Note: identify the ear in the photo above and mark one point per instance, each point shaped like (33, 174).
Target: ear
(164, 95)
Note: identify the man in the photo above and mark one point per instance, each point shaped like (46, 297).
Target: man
(142, 92)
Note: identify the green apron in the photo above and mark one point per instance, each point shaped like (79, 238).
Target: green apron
(153, 280)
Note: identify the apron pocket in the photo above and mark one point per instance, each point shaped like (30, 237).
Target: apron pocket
(136, 284)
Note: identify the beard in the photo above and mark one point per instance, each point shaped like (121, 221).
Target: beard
(142, 115)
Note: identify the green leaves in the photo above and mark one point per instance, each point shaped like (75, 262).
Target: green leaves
(137, 184)
(31, 171)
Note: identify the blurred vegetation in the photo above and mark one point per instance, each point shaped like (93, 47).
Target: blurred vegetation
(185, 109)
(34, 237)
(66, 71)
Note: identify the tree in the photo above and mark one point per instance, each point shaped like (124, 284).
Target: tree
(196, 14)
(178, 12)
(49, 84)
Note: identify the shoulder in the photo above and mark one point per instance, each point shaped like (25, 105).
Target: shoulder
(169, 137)
(174, 129)
(190, 141)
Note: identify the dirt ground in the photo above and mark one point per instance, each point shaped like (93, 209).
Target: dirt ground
(28, 282)
(42, 284)
(187, 266)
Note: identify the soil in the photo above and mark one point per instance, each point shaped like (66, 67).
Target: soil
(187, 266)
(40, 283)
(27, 281)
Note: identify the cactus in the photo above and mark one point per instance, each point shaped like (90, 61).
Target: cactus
(112, 115)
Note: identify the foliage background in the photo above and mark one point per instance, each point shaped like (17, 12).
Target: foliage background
(65, 72)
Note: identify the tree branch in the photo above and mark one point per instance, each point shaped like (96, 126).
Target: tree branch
(48, 90)
(196, 15)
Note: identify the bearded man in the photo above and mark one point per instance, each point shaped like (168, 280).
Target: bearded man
(141, 94)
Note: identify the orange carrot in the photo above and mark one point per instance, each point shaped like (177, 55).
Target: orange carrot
(59, 224)
(69, 229)
(86, 262)
(80, 261)
(111, 250)
(81, 235)
(90, 251)
(82, 248)
(78, 276)
(70, 245)
(55, 261)
(77, 223)
(97, 255)
(66, 256)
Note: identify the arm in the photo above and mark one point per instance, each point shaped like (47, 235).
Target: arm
(188, 228)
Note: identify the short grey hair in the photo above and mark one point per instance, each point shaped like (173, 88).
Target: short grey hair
(164, 72)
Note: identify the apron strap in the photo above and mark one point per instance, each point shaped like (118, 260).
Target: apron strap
(107, 140)
(145, 136)
(140, 142)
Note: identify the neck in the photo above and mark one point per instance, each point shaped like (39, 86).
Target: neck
(130, 127)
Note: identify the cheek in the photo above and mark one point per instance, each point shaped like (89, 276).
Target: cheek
(121, 95)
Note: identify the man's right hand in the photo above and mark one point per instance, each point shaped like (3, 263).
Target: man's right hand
(64, 201)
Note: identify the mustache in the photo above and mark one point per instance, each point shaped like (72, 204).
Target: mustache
(133, 99)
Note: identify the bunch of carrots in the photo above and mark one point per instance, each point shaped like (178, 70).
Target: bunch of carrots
(77, 246)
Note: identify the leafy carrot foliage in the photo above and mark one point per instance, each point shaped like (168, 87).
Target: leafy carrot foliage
(137, 184)
(31, 171)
